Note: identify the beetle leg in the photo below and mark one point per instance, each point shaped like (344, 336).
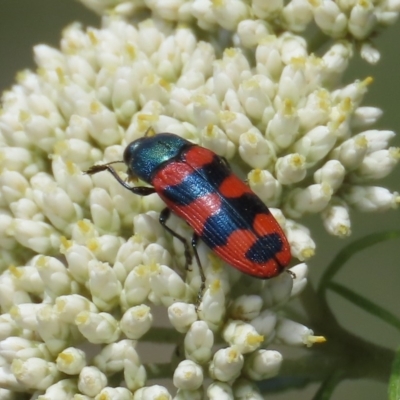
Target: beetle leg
(164, 215)
(291, 273)
(139, 190)
(195, 239)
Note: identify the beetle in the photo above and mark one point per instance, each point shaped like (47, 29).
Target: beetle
(199, 186)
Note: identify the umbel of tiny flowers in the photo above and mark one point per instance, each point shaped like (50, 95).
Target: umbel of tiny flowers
(85, 263)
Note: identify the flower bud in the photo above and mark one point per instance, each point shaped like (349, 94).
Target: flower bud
(265, 186)
(154, 392)
(97, 328)
(70, 306)
(336, 218)
(241, 335)
(302, 246)
(297, 15)
(134, 372)
(212, 137)
(136, 287)
(104, 215)
(264, 324)
(136, 321)
(111, 393)
(370, 198)
(35, 235)
(262, 364)
(294, 334)
(198, 342)
(167, 286)
(364, 117)
(245, 389)
(331, 173)
(91, 381)
(226, 364)
(315, 144)
(329, 18)
(220, 391)
(111, 357)
(300, 280)
(362, 19)
(290, 169)
(212, 306)
(376, 165)
(255, 150)
(35, 373)
(71, 361)
(182, 316)
(55, 333)
(104, 286)
(245, 307)
(250, 32)
(312, 199)
(188, 375)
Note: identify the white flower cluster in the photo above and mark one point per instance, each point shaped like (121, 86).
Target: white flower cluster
(71, 270)
(341, 19)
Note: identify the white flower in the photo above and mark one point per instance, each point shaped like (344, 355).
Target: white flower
(84, 260)
(226, 364)
(152, 393)
(336, 219)
(182, 316)
(263, 364)
(71, 361)
(63, 389)
(243, 336)
(300, 272)
(136, 321)
(245, 307)
(295, 334)
(198, 342)
(220, 391)
(188, 375)
(212, 309)
(91, 381)
(97, 328)
(34, 373)
(118, 393)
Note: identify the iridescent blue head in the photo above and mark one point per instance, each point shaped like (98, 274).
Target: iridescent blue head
(146, 155)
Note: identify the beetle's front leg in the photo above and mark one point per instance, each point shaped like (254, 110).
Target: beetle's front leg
(139, 190)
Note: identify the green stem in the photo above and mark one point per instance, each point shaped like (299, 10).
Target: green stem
(319, 314)
(354, 357)
(344, 352)
(163, 335)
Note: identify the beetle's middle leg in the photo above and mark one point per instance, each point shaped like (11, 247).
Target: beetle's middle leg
(164, 215)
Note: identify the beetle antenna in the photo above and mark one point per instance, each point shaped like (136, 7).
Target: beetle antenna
(150, 132)
(101, 167)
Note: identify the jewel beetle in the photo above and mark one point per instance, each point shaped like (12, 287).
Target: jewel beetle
(198, 185)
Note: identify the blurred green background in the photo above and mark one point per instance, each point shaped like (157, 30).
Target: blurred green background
(375, 273)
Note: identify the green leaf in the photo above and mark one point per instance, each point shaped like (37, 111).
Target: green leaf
(349, 251)
(366, 304)
(394, 382)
